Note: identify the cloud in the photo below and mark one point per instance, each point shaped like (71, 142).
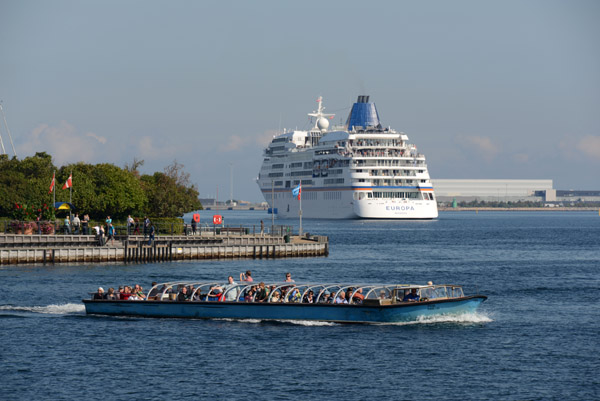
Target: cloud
(147, 149)
(236, 142)
(521, 157)
(100, 139)
(589, 146)
(480, 144)
(64, 143)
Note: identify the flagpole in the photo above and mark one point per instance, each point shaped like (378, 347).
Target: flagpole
(300, 213)
(54, 197)
(70, 196)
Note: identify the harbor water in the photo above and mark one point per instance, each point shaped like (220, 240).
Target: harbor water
(536, 337)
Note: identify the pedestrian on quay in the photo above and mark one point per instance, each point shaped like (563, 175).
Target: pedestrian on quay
(262, 227)
(146, 226)
(67, 226)
(85, 224)
(76, 224)
(193, 226)
(130, 224)
(151, 232)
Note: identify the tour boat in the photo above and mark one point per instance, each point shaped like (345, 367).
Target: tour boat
(352, 303)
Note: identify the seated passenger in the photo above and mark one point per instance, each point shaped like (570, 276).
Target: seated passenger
(126, 293)
(183, 295)
(139, 291)
(309, 298)
(261, 294)
(249, 297)
(358, 297)
(412, 296)
(382, 295)
(294, 296)
(341, 298)
(99, 294)
(111, 296)
(275, 297)
(154, 292)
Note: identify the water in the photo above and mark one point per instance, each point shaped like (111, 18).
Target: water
(535, 338)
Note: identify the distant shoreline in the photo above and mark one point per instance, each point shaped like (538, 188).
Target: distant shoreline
(517, 209)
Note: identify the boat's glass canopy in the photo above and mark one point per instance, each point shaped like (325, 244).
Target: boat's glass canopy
(298, 292)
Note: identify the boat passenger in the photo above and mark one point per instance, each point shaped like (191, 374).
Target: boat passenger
(183, 295)
(294, 296)
(249, 297)
(411, 297)
(111, 296)
(358, 297)
(324, 297)
(99, 294)
(247, 277)
(382, 295)
(134, 297)
(288, 278)
(154, 291)
(275, 297)
(126, 293)
(309, 298)
(261, 293)
(341, 298)
(139, 291)
(198, 296)
(224, 289)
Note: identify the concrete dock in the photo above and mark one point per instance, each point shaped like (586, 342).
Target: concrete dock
(30, 249)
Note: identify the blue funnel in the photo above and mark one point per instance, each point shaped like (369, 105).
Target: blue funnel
(363, 114)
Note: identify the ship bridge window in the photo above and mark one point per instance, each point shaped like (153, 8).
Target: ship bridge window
(278, 183)
(277, 166)
(296, 165)
(272, 175)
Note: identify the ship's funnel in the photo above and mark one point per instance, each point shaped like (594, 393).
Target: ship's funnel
(363, 114)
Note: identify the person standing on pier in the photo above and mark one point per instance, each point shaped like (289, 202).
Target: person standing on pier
(146, 226)
(85, 224)
(151, 232)
(130, 224)
(76, 223)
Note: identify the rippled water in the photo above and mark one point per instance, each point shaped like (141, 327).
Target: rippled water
(535, 338)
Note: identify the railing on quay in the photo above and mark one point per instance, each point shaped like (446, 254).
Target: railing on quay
(58, 228)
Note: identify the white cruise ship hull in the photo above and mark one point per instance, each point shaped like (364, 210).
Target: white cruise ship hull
(349, 208)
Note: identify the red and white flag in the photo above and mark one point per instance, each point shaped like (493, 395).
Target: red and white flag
(69, 182)
(51, 184)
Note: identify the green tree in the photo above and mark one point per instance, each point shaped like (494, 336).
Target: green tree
(170, 193)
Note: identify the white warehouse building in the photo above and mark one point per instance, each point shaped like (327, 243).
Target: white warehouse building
(446, 190)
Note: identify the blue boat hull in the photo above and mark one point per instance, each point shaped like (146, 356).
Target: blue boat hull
(401, 312)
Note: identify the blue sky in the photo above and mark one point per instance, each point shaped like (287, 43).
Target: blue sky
(506, 89)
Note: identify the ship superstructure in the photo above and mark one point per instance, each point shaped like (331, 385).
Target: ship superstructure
(359, 170)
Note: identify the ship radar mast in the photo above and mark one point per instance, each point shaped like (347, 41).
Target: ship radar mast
(321, 122)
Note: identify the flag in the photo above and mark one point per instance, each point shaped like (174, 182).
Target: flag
(69, 182)
(297, 191)
(51, 184)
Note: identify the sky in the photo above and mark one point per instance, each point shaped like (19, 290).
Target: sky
(485, 89)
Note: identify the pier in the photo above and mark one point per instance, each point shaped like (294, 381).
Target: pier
(49, 249)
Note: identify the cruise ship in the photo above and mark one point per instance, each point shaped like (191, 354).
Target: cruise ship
(358, 170)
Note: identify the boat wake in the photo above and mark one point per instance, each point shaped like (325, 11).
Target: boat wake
(64, 309)
(463, 318)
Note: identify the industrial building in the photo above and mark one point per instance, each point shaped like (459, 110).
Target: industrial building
(504, 190)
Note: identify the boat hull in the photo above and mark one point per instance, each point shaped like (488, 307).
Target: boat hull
(343, 313)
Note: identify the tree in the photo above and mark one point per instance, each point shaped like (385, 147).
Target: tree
(169, 194)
